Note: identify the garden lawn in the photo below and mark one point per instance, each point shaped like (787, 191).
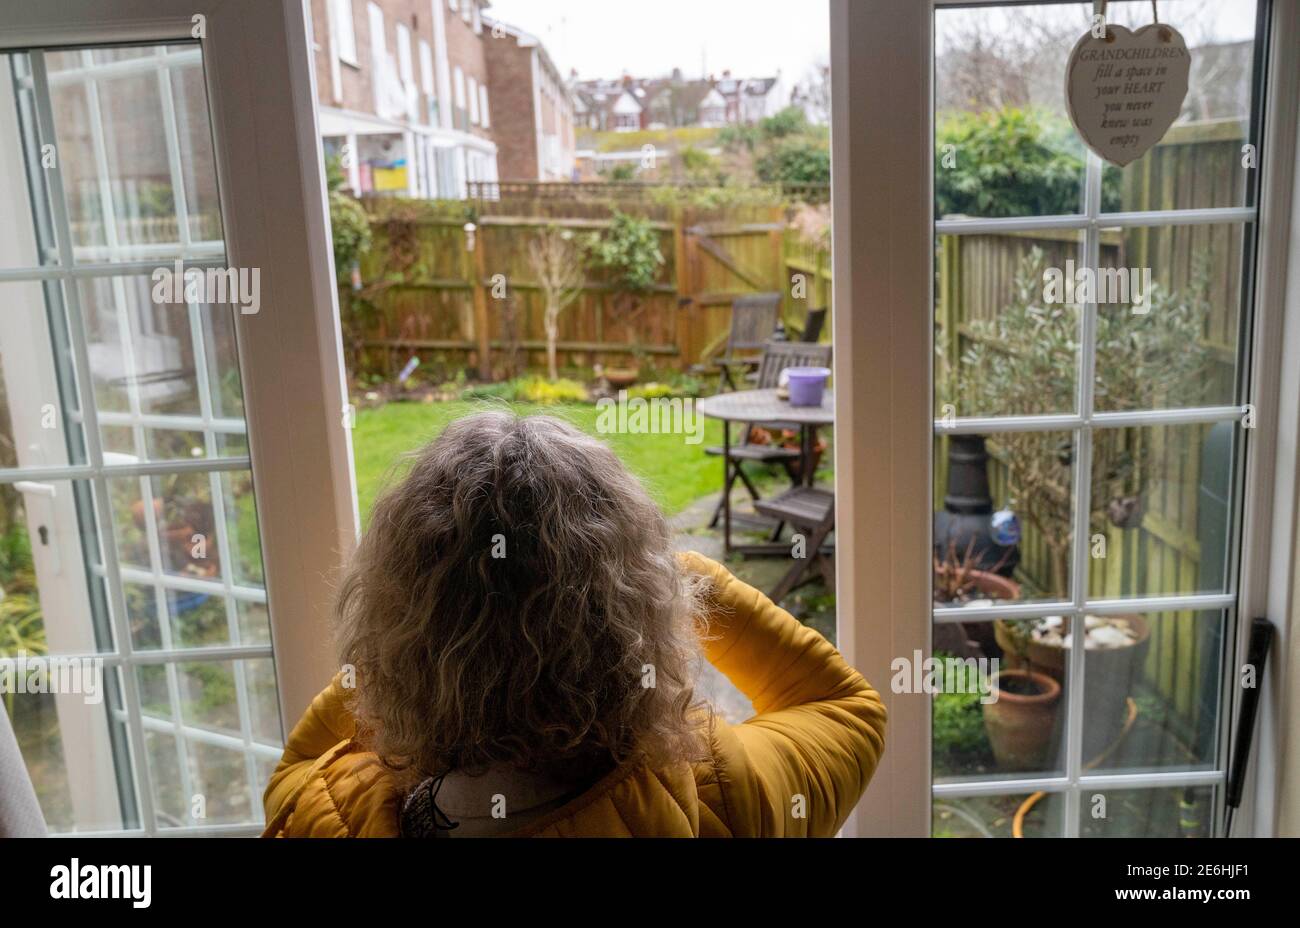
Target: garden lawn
(674, 473)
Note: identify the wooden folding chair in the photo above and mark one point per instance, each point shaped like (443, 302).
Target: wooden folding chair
(812, 511)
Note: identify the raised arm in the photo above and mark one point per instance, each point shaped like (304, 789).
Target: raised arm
(819, 727)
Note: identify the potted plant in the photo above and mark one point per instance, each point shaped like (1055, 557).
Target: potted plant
(1021, 721)
(1116, 648)
(1023, 362)
(959, 581)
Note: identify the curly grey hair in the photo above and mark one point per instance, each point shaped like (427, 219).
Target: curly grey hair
(508, 603)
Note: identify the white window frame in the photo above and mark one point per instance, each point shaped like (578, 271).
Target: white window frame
(426, 68)
(484, 118)
(882, 157)
(378, 53)
(458, 94)
(257, 68)
(471, 93)
(405, 67)
(342, 21)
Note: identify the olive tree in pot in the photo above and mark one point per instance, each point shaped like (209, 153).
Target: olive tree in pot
(1024, 362)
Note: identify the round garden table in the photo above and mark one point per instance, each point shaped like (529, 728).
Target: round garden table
(764, 408)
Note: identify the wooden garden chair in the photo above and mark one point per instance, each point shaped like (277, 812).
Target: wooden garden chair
(813, 323)
(812, 511)
(753, 320)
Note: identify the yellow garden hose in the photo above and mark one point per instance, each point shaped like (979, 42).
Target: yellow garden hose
(1017, 824)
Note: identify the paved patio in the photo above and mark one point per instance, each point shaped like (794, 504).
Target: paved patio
(812, 604)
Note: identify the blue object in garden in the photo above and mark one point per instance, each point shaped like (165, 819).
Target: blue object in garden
(1004, 526)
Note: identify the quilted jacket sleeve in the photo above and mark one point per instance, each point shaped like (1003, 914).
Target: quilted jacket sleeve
(819, 729)
(325, 724)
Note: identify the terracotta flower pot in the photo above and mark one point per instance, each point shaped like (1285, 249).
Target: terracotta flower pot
(1111, 675)
(988, 586)
(621, 378)
(1021, 724)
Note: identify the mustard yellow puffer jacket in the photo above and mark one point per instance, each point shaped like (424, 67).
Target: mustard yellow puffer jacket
(796, 768)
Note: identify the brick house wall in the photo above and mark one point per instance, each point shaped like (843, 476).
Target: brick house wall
(510, 83)
(534, 121)
(466, 51)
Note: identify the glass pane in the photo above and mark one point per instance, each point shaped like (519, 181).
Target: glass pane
(1007, 343)
(47, 550)
(209, 724)
(162, 371)
(135, 152)
(1153, 685)
(174, 557)
(1037, 815)
(1002, 517)
(241, 529)
(113, 125)
(1161, 511)
(1168, 317)
(69, 742)
(1001, 712)
(1170, 812)
(1004, 145)
(39, 423)
(1198, 163)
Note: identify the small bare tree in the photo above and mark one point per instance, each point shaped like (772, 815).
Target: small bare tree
(556, 259)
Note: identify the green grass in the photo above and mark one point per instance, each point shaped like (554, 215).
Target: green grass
(674, 473)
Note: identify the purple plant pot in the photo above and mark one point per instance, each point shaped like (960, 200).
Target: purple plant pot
(807, 385)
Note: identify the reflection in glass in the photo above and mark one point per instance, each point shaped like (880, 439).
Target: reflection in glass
(1152, 697)
(1177, 811)
(1161, 515)
(1037, 815)
(1001, 711)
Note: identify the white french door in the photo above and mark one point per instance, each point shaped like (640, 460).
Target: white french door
(1137, 445)
(175, 480)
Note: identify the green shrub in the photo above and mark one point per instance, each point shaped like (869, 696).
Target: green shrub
(958, 727)
(1011, 162)
(529, 389)
(652, 390)
(351, 232)
(629, 251)
(795, 160)
(548, 392)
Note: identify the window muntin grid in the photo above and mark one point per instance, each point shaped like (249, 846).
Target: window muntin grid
(66, 266)
(1083, 423)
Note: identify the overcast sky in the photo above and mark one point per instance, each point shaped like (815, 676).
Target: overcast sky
(604, 38)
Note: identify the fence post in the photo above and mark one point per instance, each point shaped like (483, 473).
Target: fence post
(476, 260)
(681, 280)
(776, 243)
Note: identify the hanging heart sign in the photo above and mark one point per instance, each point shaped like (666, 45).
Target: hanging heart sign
(1124, 91)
